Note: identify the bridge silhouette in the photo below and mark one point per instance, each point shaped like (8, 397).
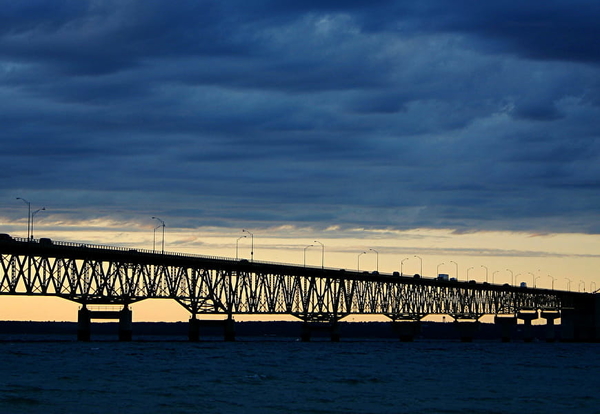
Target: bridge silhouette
(106, 280)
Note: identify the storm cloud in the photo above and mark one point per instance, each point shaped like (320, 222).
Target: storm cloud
(465, 115)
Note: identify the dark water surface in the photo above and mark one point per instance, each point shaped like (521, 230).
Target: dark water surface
(295, 377)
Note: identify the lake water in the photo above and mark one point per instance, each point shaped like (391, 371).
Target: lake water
(286, 376)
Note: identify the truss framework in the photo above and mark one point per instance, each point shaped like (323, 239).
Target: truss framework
(102, 275)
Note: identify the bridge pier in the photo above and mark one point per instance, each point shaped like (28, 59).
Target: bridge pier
(406, 329)
(85, 316)
(84, 324)
(331, 326)
(550, 317)
(580, 321)
(194, 328)
(527, 316)
(466, 329)
(506, 326)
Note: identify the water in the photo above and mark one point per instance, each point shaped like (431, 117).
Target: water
(254, 376)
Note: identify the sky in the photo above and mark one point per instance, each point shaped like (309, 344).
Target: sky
(464, 132)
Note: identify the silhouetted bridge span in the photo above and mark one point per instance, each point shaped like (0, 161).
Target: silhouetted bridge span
(106, 280)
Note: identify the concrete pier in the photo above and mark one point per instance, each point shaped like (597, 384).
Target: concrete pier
(550, 317)
(407, 330)
(85, 317)
(195, 326)
(527, 316)
(507, 323)
(309, 327)
(466, 329)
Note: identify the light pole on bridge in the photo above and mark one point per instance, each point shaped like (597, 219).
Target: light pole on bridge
(237, 242)
(163, 232)
(512, 276)
(438, 268)
(322, 254)
(402, 264)
(358, 265)
(553, 279)
(418, 257)
(251, 244)
(377, 259)
(32, 217)
(28, 216)
(310, 245)
(494, 274)
(456, 264)
(468, 271)
(486, 272)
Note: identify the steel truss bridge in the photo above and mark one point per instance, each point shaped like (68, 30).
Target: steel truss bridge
(104, 275)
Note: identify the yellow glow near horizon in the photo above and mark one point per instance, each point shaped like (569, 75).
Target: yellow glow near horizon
(546, 259)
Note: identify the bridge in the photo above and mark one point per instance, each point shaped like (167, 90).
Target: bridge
(106, 280)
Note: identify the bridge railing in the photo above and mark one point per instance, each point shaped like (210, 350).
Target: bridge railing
(156, 252)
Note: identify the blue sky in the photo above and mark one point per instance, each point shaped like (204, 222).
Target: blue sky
(465, 115)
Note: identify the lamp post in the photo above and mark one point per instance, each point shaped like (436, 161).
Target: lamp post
(512, 276)
(452, 261)
(376, 260)
(516, 278)
(237, 242)
(251, 244)
(421, 274)
(28, 215)
(593, 286)
(322, 253)
(438, 268)
(154, 238)
(358, 265)
(553, 279)
(486, 272)
(532, 278)
(32, 216)
(402, 264)
(162, 224)
(568, 283)
(310, 245)
(581, 282)
(493, 274)
(468, 271)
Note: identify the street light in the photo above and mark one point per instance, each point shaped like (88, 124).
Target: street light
(322, 253)
(237, 245)
(421, 264)
(568, 284)
(377, 259)
(580, 283)
(493, 274)
(28, 215)
(310, 245)
(251, 245)
(154, 237)
(468, 271)
(438, 268)
(512, 276)
(358, 265)
(402, 264)
(452, 261)
(32, 216)
(553, 279)
(163, 232)
(486, 272)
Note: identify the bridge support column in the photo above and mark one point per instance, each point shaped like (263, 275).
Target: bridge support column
(466, 329)
(550, 317)
(506, 326)
(229, 329)
(407, 330)
(125, 324)
(580, 320)
(528, 316)
(84, 324)
(309, 326)
(335, 331)
(194, 329)
(306, 332)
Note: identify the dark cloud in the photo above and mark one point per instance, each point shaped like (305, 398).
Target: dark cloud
(465, 115)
